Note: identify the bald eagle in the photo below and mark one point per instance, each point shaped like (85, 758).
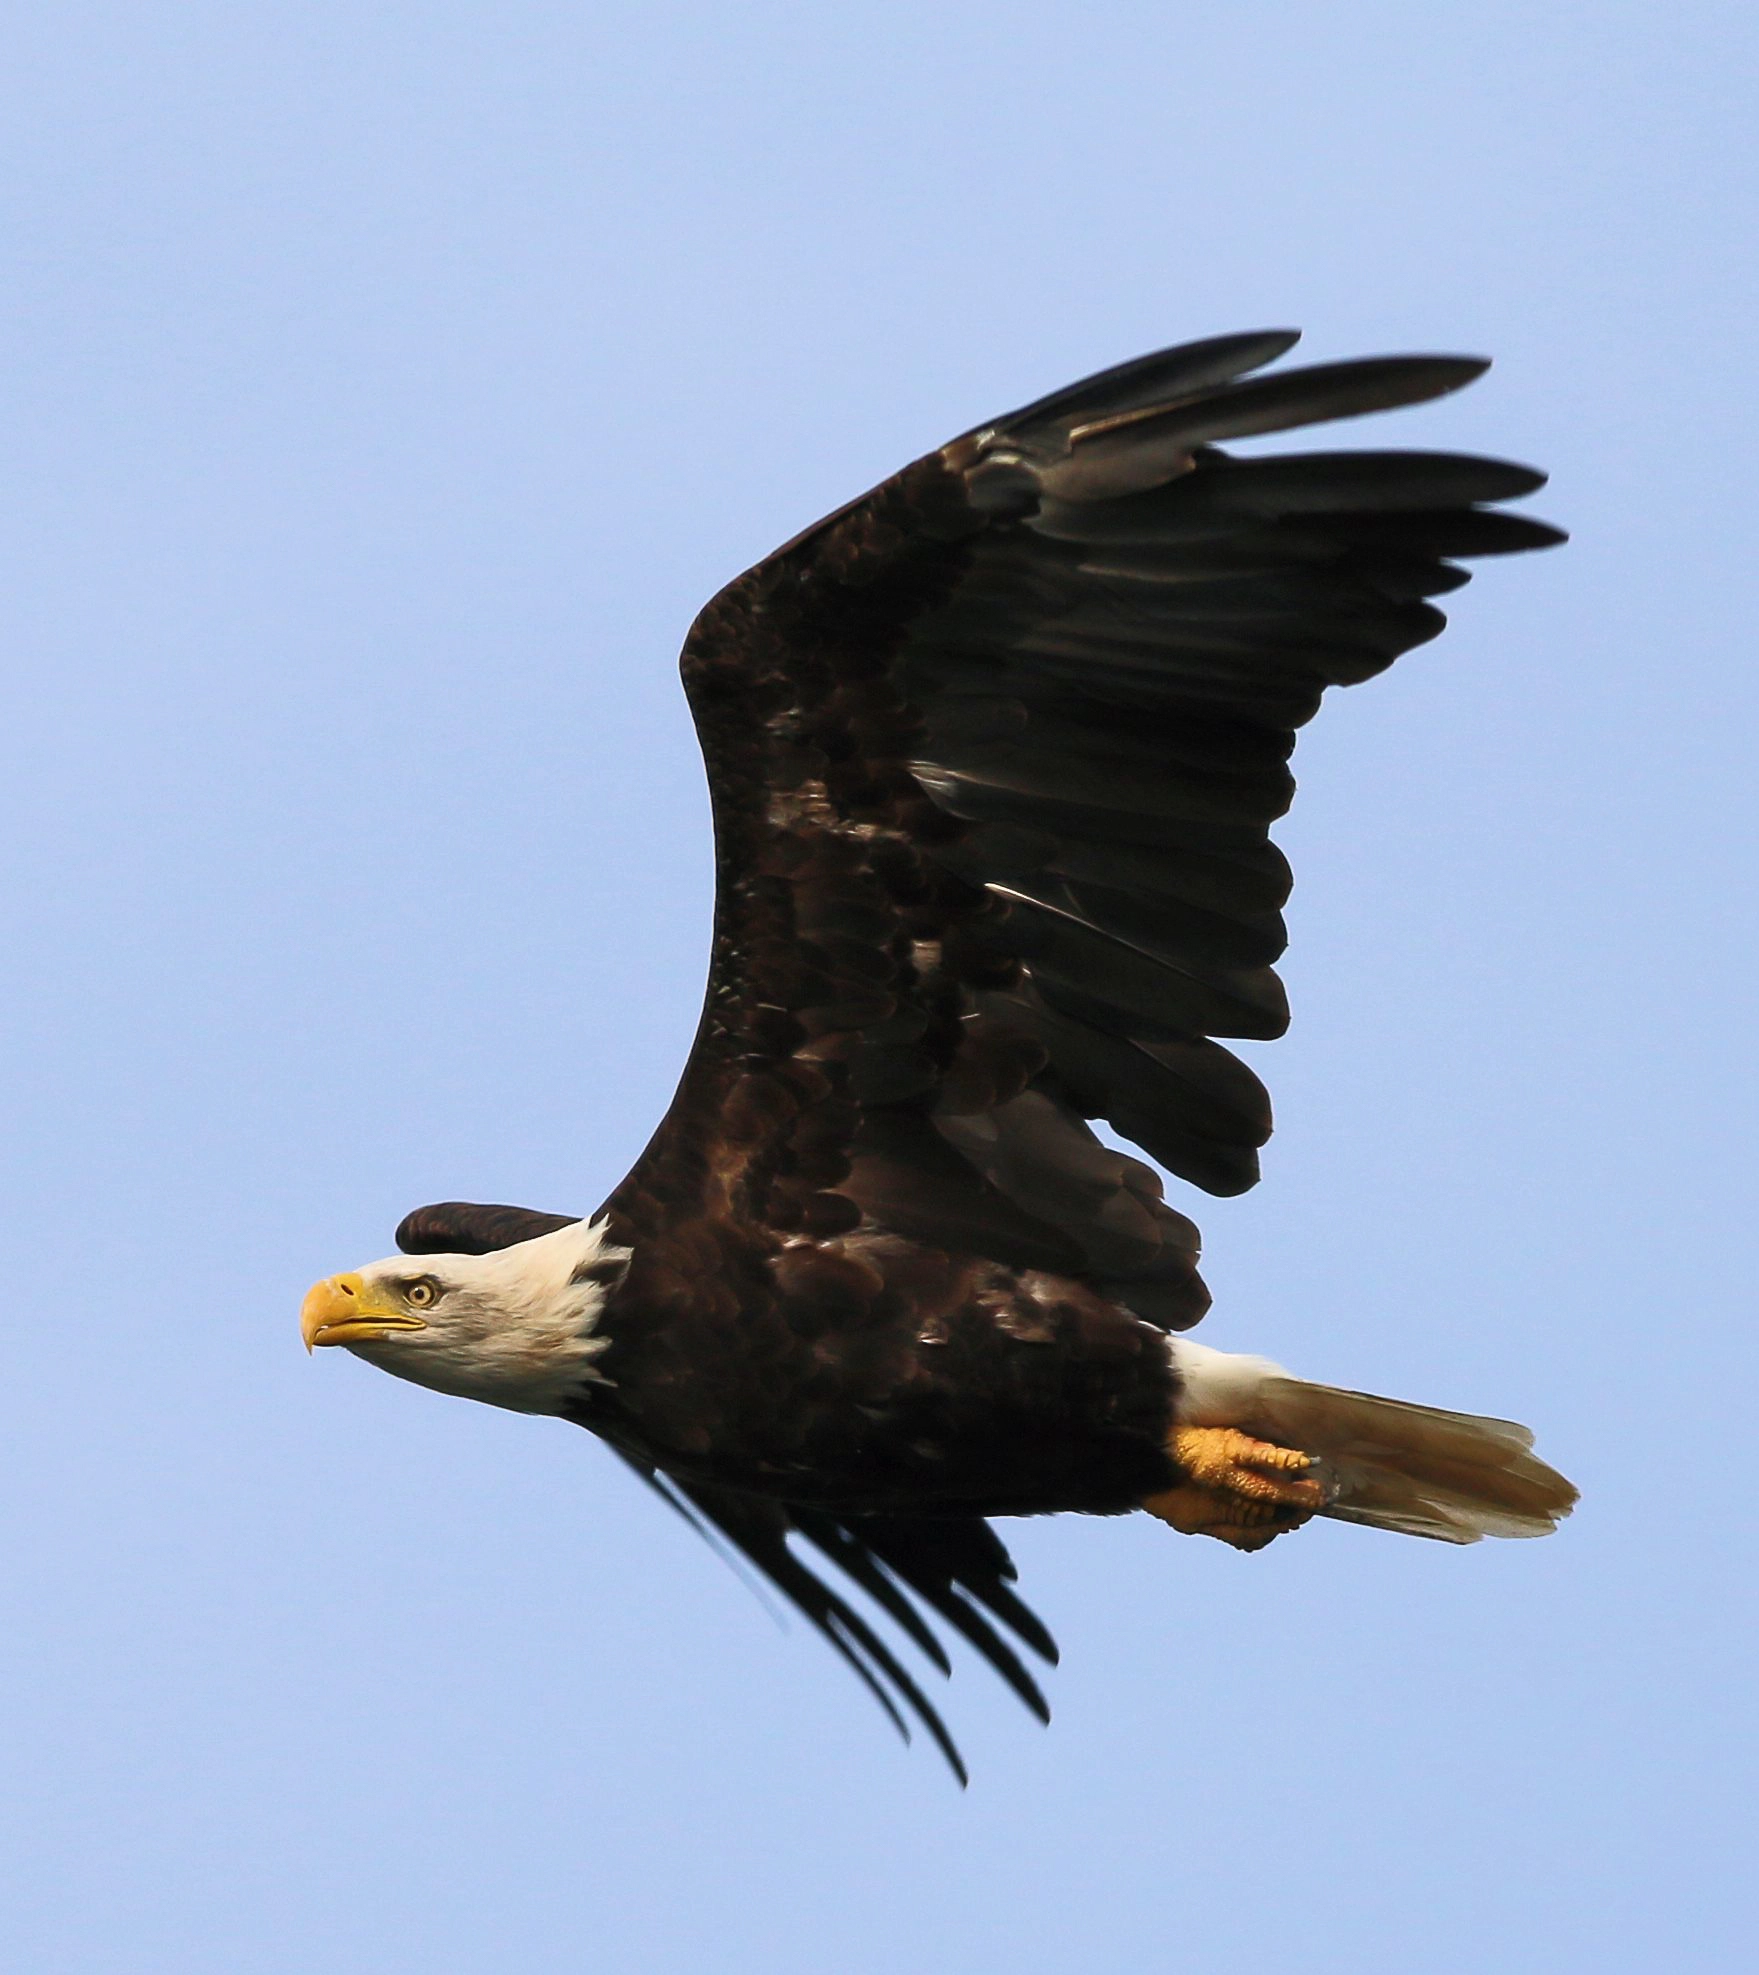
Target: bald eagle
(994, 753)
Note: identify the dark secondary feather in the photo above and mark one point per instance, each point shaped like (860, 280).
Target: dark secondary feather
(995, 752)
(955, 1565)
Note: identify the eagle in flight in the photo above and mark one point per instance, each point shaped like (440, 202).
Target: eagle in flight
(994, 753)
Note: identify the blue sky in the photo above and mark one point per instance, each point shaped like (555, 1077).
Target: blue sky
(387, 387)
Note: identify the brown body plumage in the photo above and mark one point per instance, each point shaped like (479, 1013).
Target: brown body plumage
(994, 755)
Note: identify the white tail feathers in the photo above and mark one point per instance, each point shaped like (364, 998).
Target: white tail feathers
(1416, 1469)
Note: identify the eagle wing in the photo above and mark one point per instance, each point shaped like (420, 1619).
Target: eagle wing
(994, 754)
(956, 1565)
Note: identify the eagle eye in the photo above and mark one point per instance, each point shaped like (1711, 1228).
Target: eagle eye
(422, 1294)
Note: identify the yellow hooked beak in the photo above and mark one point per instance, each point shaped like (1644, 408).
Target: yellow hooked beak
(344, 1310)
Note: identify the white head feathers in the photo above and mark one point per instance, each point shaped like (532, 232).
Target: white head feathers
(515, 1328)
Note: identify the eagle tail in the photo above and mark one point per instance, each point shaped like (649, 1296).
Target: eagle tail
(1415, 1469)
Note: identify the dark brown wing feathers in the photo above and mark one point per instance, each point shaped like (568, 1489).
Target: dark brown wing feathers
(465, 1227)
(959, 1568)
(995, 753)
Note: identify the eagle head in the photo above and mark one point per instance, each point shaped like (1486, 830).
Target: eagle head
(515, 1328)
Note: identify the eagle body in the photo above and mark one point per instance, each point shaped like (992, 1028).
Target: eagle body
(894, 1378)
(994, 752)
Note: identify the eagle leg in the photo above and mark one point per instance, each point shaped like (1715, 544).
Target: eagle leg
(1242, 1491)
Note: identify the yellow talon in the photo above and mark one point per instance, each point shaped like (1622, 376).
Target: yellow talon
(1224, 1457)
(1240, 1490)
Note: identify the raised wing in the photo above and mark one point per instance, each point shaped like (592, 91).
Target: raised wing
(994, 755)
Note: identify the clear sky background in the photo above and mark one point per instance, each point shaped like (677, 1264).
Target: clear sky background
(387, 385)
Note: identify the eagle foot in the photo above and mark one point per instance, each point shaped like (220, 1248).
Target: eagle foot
(1242, 1491)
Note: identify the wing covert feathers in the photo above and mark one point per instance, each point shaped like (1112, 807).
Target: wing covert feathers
(995, 752)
